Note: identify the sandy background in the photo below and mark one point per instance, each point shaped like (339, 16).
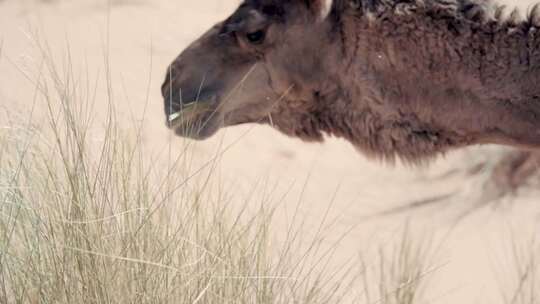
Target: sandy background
(143, 36)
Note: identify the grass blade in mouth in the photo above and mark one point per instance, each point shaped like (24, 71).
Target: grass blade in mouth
(174, 116)
(189, 112)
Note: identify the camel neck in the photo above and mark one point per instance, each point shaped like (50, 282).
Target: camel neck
(435, 77)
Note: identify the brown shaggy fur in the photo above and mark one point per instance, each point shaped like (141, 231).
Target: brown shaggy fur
(420, 77)
(397, 78)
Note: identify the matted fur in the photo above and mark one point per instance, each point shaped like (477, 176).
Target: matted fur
(397, 57)
(401, 78)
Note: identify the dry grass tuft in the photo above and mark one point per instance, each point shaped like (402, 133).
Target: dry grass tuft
(88, 217)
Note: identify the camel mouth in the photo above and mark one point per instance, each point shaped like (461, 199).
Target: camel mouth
(195, 119)
(189, 112)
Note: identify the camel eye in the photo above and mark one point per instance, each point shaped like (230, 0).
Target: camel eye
(255, 37)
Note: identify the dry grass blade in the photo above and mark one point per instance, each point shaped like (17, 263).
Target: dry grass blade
(522, 278)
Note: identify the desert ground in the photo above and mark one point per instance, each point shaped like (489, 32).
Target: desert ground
(133, 41)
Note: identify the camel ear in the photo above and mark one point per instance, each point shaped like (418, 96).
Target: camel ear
(321, 8)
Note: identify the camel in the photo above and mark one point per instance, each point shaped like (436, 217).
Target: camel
(407, 79)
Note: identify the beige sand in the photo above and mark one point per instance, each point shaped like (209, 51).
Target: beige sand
(143, 36)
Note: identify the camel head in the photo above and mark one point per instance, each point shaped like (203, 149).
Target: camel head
(265, 52)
